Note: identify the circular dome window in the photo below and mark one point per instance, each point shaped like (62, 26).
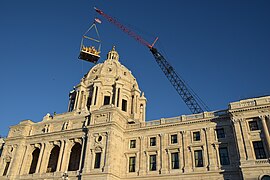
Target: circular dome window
(99, 138)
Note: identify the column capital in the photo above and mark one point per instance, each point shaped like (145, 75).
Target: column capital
(236, 120)
(206, 129)
(182, 132)
(161, 134)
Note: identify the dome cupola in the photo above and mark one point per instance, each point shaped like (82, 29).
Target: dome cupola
(113, 55)
(109, 84)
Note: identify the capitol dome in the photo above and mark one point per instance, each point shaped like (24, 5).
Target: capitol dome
(109, 84)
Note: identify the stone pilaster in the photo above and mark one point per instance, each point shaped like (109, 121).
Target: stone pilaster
(206, 149)
(106, 154)
(211, 150)
(88, 155)
(42, 147)
(142, 159)
(162, 143)
(247, 145)
(239, 139)
(188, 152)
(183, 154)
(266, 133)
(216, 156)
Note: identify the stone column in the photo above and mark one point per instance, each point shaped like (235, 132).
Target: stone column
(25, 162)
(84, 100)
(266, 133)
(45, 158)
(66, 155)
(42, 146)
(120, 98)
(116, 96)
(93, 96)
(23, 159)
(80, 100)
(82, 154)
(96, 99)
(13, 164)
(60, 158)
(77, 99)
(28, 158)
(267, 119)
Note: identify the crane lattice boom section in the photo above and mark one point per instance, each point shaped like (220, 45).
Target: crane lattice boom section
(123, 28)
(168, 70)
(177, 82)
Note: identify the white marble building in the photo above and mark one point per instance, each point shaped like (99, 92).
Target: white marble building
(104, 135)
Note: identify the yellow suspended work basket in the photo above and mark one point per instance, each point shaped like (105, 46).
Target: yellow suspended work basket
(90, 46)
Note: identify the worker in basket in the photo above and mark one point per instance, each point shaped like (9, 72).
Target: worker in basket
(91, 50)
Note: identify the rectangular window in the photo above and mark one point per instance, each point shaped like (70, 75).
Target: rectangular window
(198, 158)
(153, 163)
(220, 133)
(1, 150)
(132, 144)
(224, 156)
(253, 125)
(97, 160)
(174, 139)
(259, 150)
(132, 164)
(153, 141)
(106, 100)
(6, 168)
(95, 100)
(196, 136)
(175, 160)
(124, 105)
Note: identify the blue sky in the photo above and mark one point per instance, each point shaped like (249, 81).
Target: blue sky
(220, 48)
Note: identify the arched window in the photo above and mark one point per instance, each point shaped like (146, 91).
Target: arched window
(53, 159)
(75, 156)
(35, 155)
(265, 177)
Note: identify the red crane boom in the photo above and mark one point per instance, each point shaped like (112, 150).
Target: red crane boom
(125, 29)
(193, 102)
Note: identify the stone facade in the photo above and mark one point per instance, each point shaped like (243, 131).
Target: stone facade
(104, 135)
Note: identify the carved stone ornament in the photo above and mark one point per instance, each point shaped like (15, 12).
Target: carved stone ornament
(7, 158)
(98, 149)
(37, 145)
